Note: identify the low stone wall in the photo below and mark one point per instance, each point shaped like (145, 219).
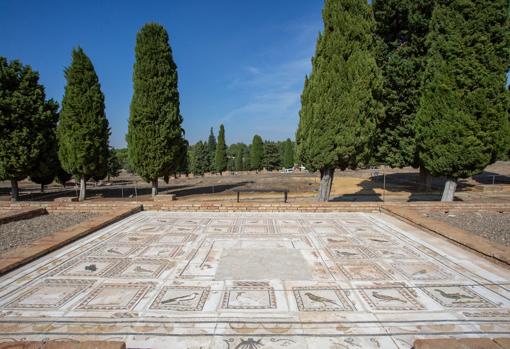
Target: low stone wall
(12, 215)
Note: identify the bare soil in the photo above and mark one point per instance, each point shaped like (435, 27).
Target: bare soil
(378, 184)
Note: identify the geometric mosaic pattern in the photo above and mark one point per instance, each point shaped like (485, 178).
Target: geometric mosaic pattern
(256, 280)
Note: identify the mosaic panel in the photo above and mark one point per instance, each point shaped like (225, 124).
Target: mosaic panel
(386, 298)
(363, 271)
(349, 252)
(181, 298)
(49, 294)
(88, 266)
(115, 250)
(249, 297)
(115, 296)
(421, 271)
(143, 268)
(322, 299)
(457, 297)
(161, 251)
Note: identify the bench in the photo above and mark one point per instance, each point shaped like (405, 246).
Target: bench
(254, 190)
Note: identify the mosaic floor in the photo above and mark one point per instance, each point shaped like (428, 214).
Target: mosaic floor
(257, 281)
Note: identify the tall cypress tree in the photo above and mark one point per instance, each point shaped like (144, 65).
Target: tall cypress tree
(83, 130)
(238, 165)
(462, 123)
(339, 108)
(211, 146)
(154, 135)
(401, 27)
(220, 157)
(25, 117)
(47, 164)
(256, 153)
(288, 153)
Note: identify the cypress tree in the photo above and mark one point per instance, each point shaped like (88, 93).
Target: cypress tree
(239, 159)
(83, 130)
(154, 134)
(339, 107)
(288, 154)
(199, 158)
(220, 158)
(114, 165)
(47, 164)
(25, 118)
(271, 159)
(211, 146)
(402, 27)
(256, 153)
(462, 123)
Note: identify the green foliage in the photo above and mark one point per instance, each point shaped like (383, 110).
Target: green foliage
(83, 130)
(256, 153)
(238, 164)
(220, 158)
(47, 164)
(271, 160)
(183, 167)
(288, 154)
(339, 107)
(123, 157)
(462, 124)
(154, 134)
(199, 158)
(26, 119)
(62, 176)
(402, 27)
(211, 146)
(114, 165)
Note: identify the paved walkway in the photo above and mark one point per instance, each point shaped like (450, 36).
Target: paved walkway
(257, 281)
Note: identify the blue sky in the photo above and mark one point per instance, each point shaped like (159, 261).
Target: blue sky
(240, 63)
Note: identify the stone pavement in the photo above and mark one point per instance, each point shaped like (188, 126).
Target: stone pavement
(257, 280)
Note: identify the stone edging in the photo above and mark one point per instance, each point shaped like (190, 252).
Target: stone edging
(464, 343)
(457, 235)
(49, 243)
(24, 213)
(63, 344)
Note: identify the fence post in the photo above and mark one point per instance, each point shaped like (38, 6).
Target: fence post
(384, 185)
(493, 179)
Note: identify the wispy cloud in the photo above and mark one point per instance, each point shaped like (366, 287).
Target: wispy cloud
(273, 91)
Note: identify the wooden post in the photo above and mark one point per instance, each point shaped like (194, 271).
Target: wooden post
(237, 196)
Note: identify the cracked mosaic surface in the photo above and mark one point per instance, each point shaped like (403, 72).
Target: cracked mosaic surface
(256, 280)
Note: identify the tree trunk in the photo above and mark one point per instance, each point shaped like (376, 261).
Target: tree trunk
(425, 179)
(154, 187)
(42, 188)
(83, 188)
(14, 190)
(449, 189)
(326, 182)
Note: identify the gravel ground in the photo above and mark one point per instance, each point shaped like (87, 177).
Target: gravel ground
(21, 232)
(490, 225)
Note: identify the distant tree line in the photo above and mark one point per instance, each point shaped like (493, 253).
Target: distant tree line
(214, 156)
